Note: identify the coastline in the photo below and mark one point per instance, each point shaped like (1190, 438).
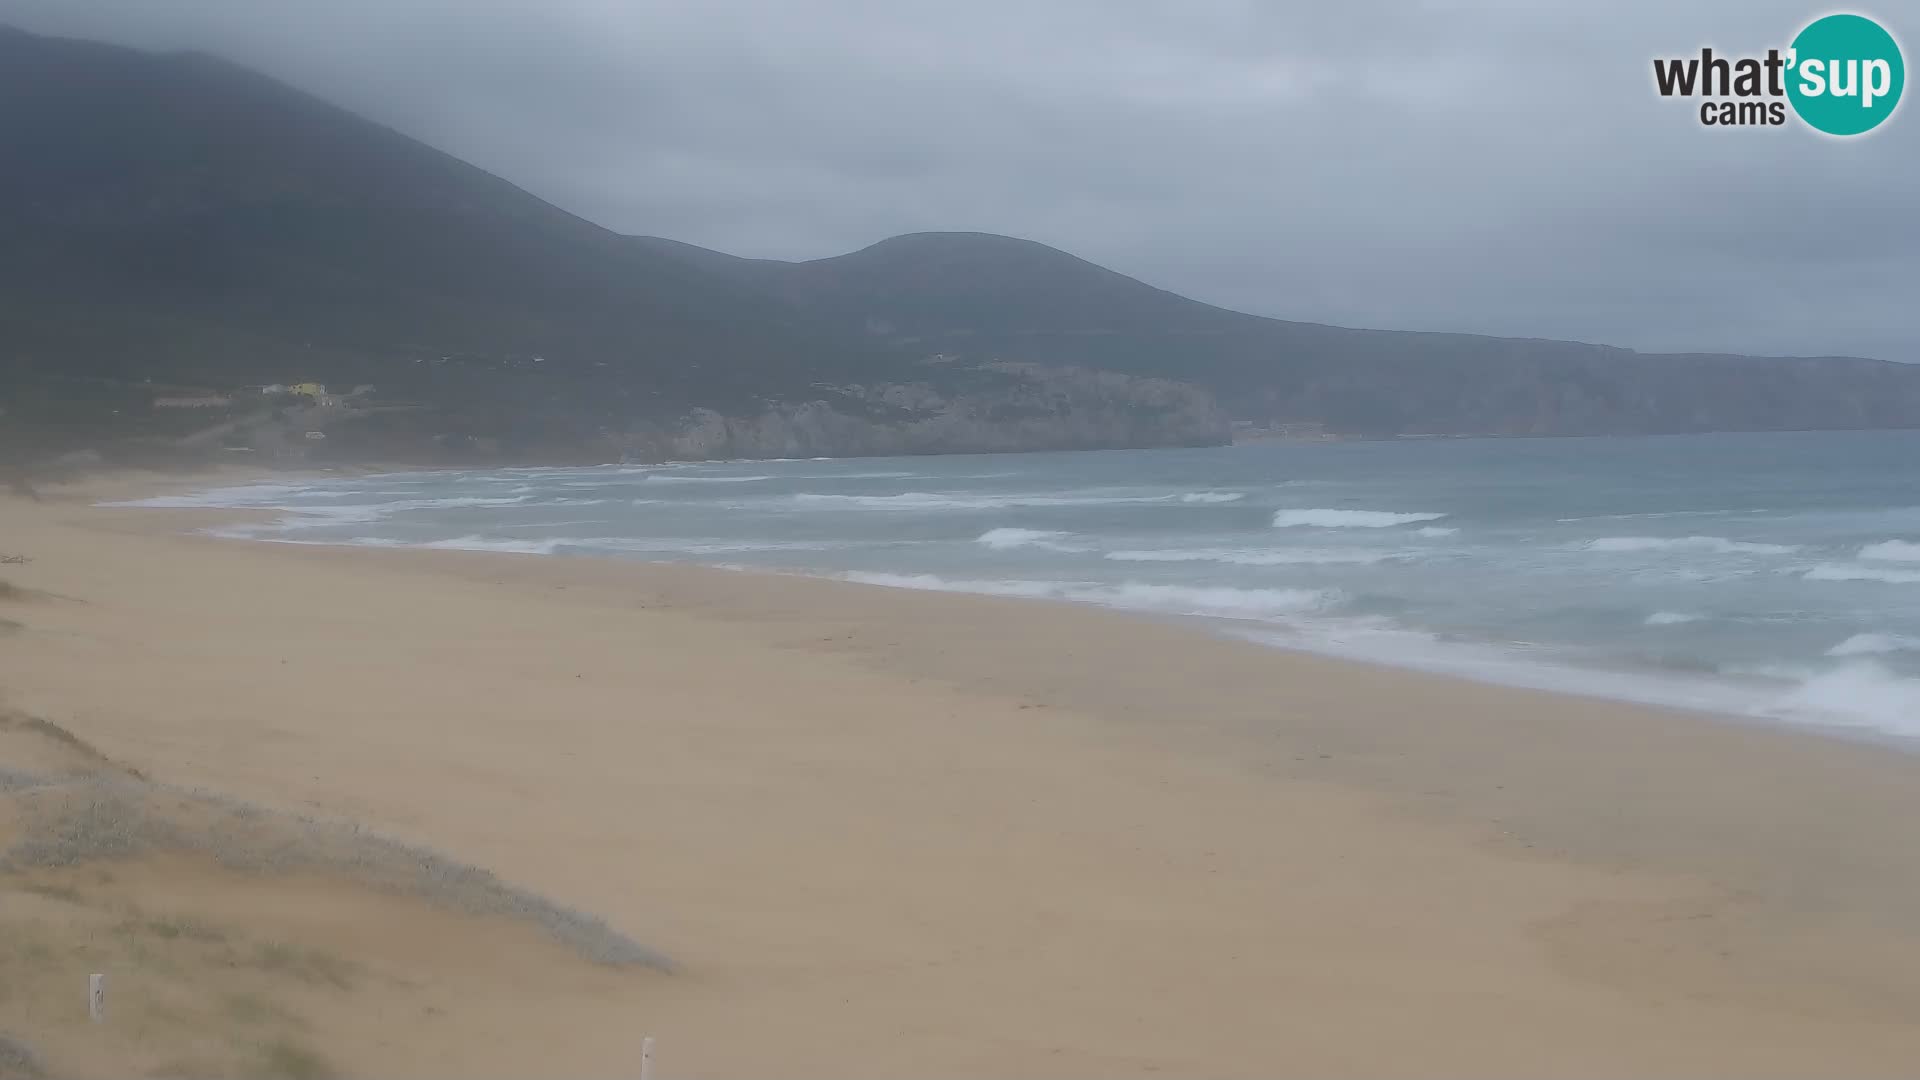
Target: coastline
(890, 831)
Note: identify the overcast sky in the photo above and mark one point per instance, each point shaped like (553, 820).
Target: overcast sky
(1496, 166)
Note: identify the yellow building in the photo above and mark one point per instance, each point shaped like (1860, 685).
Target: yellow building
(309, 389)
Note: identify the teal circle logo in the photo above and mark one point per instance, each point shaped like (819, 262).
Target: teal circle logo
(1845, 74)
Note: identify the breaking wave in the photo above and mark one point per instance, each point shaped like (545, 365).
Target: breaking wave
(1257, 556)
(926, 500)
(1718, 545)
(1858, 694)
(1346, 519)
(1844, 572)
(1007, 539)
(1217, 602)
(670, 478)
(1891, 551)
(1875, 645)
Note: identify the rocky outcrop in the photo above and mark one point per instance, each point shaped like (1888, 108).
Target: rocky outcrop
(1009, 407)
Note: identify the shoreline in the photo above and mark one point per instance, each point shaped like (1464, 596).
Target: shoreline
(1728, 698)
(860, 815)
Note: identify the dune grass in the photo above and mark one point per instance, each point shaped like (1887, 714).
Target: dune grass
(18, 1061)
(285, 1058)
(217, 994)
(102, 817)
(25, 723)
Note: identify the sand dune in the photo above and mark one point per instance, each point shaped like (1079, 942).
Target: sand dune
(240, 942)
(885, 833)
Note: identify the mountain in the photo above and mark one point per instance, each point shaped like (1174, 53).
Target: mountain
(972, 295)
(175, 229)
(179, 220)
(175, 212)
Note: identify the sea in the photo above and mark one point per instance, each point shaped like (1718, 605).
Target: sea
(1774, 577)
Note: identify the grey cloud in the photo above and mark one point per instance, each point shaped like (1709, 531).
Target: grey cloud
(1495, 166)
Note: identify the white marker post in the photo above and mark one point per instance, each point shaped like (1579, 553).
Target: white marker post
(646, 1058)
(96, 998)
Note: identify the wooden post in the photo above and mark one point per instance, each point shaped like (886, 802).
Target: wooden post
(646, 1058)
(96, 998)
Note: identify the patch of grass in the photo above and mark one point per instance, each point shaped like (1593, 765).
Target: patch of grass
(34, 952)
(47, 729)
(290, 1060)
(186, 1069)
(65, 893)
(307, 965)
(183, 926)
(17, 1059)
(113, 813)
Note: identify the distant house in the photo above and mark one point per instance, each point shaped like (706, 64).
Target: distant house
(313, 390)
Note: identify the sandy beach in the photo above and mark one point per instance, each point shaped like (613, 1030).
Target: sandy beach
(890, 833)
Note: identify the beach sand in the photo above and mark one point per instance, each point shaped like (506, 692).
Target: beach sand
(890, 833)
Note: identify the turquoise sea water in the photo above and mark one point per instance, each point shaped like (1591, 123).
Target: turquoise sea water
(1771, 576)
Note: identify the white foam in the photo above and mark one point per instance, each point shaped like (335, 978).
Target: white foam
(1217, 601)
(1257, 556)
(1846, 572)
(1214, 602)
(1434, 531)
(926, 500)
(1006, 539)
(1718, 545)
(1213, 496)
(482, 543)
(1380, 641)
(314, 517)
(1346, 519)
(453, 502)
(269, 496)
(659, 478)
(608, 544)
(1787, 673)
(1671, 618)
(310, 516)
(935, 583)
(1892, 551)
(1875, 644)
(856, 475)
(1858, 694)
(703, 547)
(528, 525)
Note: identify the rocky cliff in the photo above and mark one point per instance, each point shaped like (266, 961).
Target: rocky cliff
(1025, 407)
